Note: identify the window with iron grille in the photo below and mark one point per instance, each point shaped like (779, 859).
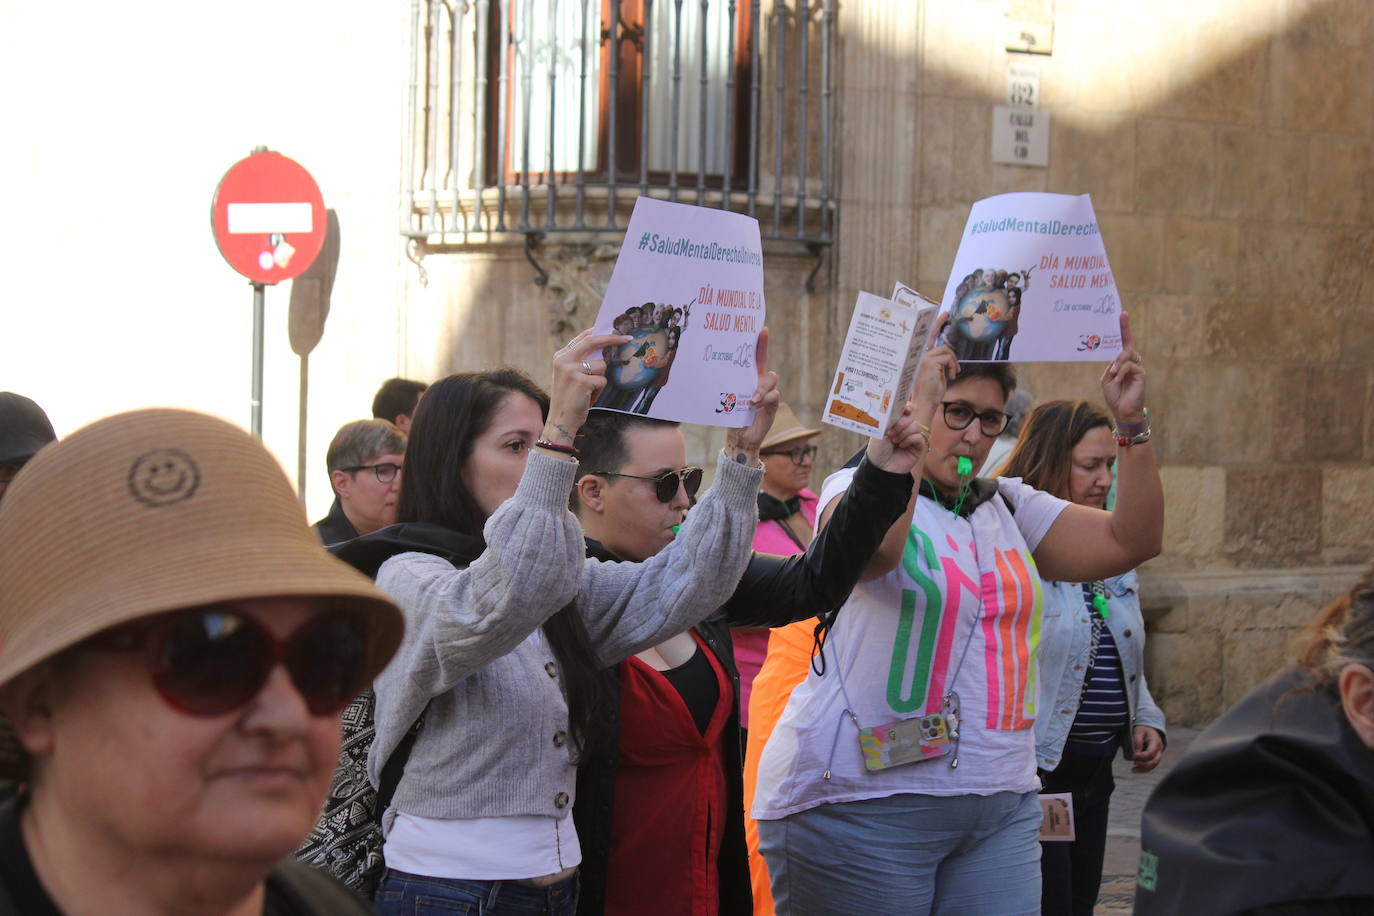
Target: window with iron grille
(538, 117)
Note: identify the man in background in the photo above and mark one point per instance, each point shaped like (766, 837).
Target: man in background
(396, 400)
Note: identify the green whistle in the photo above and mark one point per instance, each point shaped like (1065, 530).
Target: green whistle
(963, 466)
(1100, 603)
(676, 529)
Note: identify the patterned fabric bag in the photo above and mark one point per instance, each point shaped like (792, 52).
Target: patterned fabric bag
(346, 841)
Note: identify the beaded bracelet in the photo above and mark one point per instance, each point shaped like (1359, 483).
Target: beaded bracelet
(1128, 434)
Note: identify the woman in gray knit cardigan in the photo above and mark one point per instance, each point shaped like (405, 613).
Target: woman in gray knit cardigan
(507, 623)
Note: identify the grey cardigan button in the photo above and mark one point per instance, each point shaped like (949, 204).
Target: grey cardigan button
(560, 800)
(560, 738)
(551, 669)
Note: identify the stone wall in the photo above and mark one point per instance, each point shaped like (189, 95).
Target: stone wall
(1227, 146)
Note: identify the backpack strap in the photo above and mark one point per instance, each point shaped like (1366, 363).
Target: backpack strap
(395, 766)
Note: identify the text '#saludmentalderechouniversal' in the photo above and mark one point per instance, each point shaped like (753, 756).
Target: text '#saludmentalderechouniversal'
(1037, 227)
(702, 251)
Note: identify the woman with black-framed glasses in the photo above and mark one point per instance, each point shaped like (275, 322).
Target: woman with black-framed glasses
(365, 460)
(910, 764)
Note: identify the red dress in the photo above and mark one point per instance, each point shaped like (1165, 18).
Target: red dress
(669, 797)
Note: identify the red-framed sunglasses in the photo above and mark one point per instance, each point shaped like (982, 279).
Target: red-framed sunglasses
(212, 660)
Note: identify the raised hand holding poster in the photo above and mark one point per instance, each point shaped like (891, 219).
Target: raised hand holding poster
(688, 290)
(886, 340)
(1031, 283)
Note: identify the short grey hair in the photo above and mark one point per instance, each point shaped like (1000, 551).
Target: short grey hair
(361, 441)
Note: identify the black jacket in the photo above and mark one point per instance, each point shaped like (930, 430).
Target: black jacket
(773, 592)
(1271, 811)
(335, 528)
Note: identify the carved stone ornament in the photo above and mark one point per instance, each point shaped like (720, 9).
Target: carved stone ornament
(578, 277)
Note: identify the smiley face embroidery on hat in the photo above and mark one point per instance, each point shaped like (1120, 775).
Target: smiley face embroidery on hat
(163, 477)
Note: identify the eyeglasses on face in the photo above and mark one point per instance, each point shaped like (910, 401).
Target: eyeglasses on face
(959, 414)
(666, 484)
(212, 660)
(798, 454)
(386, 471)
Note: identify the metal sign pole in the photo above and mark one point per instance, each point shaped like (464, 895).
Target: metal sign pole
(259, 307)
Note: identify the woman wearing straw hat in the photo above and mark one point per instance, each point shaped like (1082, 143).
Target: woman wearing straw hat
(174, 650)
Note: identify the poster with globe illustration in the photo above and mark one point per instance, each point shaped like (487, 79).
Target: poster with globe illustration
(1031, 283)
(688, 290)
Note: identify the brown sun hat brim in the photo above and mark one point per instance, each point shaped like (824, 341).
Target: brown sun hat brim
(152, 511)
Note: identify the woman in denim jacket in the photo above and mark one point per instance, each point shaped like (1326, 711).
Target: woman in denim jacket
(1093, 695)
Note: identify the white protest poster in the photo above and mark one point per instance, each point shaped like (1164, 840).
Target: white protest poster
(878, 363)
(1031, 283)
(688, 288)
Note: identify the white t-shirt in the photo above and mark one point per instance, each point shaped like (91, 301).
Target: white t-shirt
(965, 589)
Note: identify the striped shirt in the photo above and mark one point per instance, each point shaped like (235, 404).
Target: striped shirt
(1102, 711)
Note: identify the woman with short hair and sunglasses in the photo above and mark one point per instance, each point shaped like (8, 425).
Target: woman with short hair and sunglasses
(908, 768)
(174, 651)
(508, 624)
(660, 797)
(1093, 693)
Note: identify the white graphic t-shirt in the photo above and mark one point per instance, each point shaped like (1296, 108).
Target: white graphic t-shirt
(961, 612)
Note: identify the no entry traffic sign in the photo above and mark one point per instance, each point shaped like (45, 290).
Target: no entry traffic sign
(268, 218)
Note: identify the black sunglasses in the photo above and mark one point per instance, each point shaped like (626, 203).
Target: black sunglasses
(666, 484)
(212, 660)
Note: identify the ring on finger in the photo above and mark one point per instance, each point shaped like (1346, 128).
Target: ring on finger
(586, 367)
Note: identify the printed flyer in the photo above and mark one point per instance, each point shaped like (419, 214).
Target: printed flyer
(1031, 283)
(688, 289)
(882, 351)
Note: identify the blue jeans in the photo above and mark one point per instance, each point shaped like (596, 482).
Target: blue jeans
(907, 854)
(404, 894)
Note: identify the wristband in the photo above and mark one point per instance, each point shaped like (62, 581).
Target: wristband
(555, 447)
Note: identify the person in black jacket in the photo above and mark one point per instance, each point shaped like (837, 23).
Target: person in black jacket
(1271, 811)
(365, 459)
(666, 782)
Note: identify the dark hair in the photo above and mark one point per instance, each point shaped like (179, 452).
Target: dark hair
(1342, 634)
(397, 396)
(452, 414)
(1001, 373)
(602, 441)
(1042, 454)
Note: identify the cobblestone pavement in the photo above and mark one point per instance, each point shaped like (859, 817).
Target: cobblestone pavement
(1123, 828)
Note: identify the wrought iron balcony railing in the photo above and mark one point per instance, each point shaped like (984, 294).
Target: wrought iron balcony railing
(541, 117)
